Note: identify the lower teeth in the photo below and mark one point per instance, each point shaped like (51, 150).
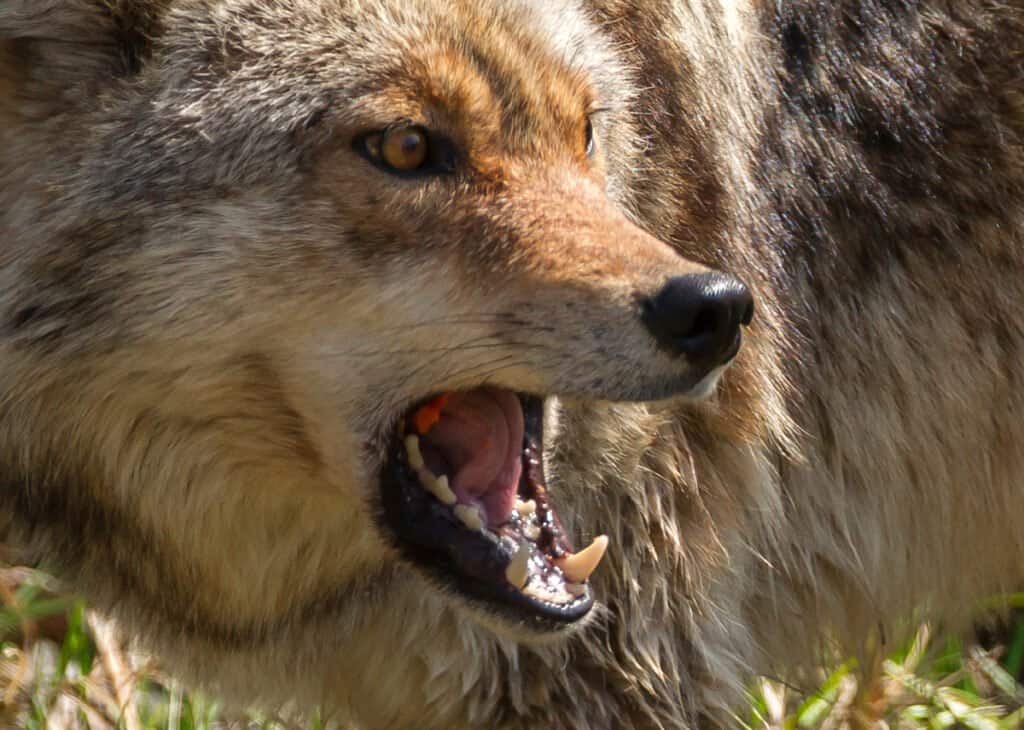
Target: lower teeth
(526, 509)
(412, 451)
(469, 516)
(439, 488)
(575, 589)
(518, 571)
(576, 568)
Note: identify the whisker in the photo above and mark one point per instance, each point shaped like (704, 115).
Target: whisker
(476, 371)
(445, 350)
(467, 318)
(431, 362)
(473, 343)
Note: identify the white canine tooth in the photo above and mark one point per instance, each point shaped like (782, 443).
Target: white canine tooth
(440, 489)
(412, 448)
(518, 571)
(575, 589)
(469, 516)
(527, 508)
(578, 567)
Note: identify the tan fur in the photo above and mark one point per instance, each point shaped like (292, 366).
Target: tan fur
(211, 309)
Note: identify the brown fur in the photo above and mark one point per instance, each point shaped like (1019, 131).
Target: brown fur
(210, 309)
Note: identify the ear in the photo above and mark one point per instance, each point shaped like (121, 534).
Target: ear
(60, 48)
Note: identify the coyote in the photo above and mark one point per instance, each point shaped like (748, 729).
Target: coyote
(497, 363)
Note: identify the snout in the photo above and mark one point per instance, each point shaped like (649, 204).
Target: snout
(699, 317)
(607, 310)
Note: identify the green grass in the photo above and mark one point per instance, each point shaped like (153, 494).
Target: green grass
(62, 668)
(934, 682)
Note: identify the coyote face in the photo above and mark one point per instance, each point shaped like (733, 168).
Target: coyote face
(306, 280)
(295, 295)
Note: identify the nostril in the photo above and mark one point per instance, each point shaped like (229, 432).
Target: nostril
(748, 312)
(705, 323)
(699, 316)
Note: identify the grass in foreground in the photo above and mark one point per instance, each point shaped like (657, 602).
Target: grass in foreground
(63, 668)
(935, 683)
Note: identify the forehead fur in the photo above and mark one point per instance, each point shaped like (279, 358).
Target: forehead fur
(255, 88)
(449, 54)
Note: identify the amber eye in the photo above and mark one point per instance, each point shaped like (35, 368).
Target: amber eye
(401, 148)
(406, 148)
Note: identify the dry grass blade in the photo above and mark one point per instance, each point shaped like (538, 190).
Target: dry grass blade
(117, 669)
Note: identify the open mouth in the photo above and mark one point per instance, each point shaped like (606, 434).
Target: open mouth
(463, 491)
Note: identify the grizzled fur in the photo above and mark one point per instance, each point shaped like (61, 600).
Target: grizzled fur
(209, 311)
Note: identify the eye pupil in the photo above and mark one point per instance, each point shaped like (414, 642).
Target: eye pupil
(589, 139)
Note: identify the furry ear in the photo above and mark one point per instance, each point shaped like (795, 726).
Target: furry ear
(54, 48)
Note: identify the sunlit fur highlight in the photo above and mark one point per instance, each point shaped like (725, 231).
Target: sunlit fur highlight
(210, 312)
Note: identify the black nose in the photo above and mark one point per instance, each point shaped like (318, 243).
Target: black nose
(699, 316)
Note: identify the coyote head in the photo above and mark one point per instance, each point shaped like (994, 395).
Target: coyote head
(289, 292)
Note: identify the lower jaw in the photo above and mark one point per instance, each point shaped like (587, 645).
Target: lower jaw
(483, 565)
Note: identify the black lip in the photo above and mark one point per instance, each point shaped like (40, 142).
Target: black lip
(427, 535)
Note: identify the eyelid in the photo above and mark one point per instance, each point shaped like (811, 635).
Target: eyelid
(401, 124)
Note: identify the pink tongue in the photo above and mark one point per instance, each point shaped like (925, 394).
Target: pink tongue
(480, 436)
